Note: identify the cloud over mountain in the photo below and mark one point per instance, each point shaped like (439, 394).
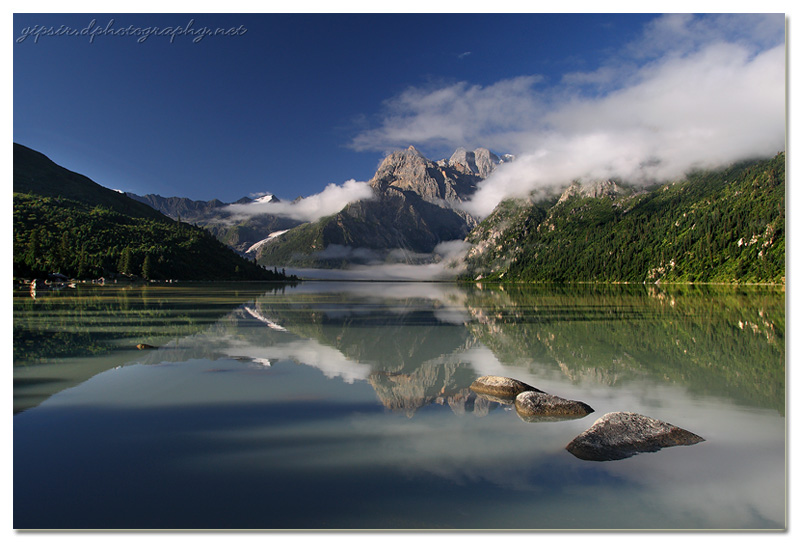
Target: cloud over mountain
(692, 92)
(457, 115)
(331, 200)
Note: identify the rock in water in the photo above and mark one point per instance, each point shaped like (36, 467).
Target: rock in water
(500, 387)
(535, 406)
(619, 435)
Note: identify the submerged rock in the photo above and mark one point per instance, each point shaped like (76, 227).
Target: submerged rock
(619, 435)
(535, 406)
(499, 388)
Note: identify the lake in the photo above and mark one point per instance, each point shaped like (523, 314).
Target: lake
(346, 405)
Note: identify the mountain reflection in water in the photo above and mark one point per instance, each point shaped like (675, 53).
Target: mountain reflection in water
(430, 341)
(347, 405)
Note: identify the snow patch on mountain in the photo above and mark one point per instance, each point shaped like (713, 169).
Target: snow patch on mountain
(265, 198)
(269, 238)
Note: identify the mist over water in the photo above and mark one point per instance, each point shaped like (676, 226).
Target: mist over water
(444, 264)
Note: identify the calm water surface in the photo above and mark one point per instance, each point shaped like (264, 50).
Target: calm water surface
(346, 405)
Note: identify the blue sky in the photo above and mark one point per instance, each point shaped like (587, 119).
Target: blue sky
(290, 104)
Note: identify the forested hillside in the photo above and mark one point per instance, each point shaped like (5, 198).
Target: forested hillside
(65, 223)
(722, 226)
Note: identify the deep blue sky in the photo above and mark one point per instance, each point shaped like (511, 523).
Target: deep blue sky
(274, 109)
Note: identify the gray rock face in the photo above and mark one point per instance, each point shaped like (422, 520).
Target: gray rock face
(602, 189)
(409, 170)
(597, 189)
(500, 387)
(486, 161)
(619, 435)
(480, 162)
(463, 160)
(534, 406)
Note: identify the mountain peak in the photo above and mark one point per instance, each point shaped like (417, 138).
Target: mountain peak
(266, 198)
(480, 162)
(401, 165)
(414, 151)
(446, 180)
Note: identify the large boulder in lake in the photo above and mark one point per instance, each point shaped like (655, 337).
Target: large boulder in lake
(499, 388)
(535, 406)
(623, 434)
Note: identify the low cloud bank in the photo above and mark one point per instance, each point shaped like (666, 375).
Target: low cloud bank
(692, 92)
(446, 263)
(707, 110)
(331, 200)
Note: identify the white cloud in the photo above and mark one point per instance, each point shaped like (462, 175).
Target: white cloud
(704, 110)
(677, 34)
(446, 263)
(259, 194)
(456, 115)
(692, 92)
(331, 200)
(336, 251)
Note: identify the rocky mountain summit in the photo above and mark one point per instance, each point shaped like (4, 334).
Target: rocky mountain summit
(481, 162)
(451, 181)
(416, 206)
(414, 209)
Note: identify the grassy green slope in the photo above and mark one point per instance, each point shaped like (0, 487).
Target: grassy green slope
(724, 226)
